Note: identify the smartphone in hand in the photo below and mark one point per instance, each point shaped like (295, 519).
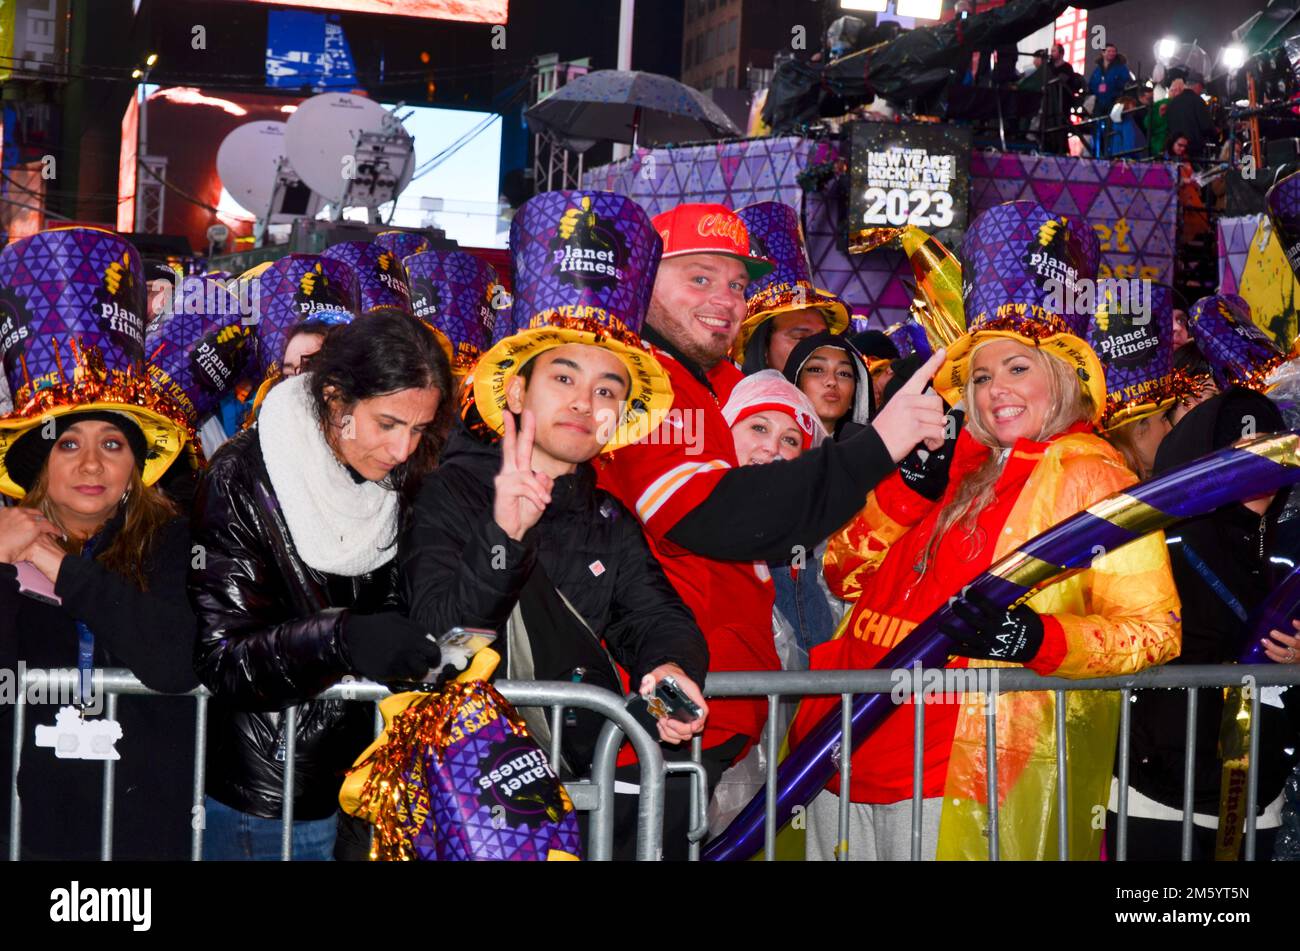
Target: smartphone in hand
(34, 584)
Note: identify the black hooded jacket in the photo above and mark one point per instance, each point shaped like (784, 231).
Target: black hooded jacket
(460, 569)
(270, 637)
(1234, 544)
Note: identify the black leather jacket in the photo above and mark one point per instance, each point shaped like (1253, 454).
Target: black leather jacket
(270, 637)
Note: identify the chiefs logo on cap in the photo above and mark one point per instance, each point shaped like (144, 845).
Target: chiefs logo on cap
(708, 229)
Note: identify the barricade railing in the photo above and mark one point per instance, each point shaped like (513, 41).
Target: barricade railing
(594, 794)
(777, 685)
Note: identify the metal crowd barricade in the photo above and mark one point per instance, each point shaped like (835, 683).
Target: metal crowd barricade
(776, 685)
(595, 794)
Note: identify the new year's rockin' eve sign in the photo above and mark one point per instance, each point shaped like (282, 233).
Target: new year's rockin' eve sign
(913, 173)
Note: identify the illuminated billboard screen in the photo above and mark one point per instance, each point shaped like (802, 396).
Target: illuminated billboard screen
(470, 11)
(457, 160)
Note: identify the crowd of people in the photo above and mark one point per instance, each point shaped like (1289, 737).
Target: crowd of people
(665, 454)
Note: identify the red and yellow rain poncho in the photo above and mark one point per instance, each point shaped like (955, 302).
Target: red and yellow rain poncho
(1118, 617)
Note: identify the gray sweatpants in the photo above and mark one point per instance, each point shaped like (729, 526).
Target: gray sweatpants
(876, 833)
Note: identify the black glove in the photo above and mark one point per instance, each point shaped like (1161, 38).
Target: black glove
(388, 646)
(929, 477)
(985, 630)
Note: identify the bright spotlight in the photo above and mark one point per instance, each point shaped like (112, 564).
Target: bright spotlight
(1234, 56)
(920, 9)
(1166, 48)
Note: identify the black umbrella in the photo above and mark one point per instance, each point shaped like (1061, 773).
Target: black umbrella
(629, 106)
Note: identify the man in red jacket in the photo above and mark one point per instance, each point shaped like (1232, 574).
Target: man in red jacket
(711, 522)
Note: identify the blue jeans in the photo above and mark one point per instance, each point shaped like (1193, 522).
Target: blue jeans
(802, 603)
(233, 836)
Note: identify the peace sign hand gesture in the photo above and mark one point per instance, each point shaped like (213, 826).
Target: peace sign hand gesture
(521, 494)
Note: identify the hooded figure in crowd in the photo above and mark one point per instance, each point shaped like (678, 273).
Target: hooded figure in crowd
(82, 451)
(1221, 566)
(1026, 460)
(833, 374)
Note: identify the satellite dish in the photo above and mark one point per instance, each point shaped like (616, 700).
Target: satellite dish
(254, 170)
(349, 150)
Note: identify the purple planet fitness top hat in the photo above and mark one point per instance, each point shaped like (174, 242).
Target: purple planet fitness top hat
(1135, 343)
(296, 288)
(1283, 204)
(582, 256)
(1238, 351)
(402, 244)
(451, 291)
(69, 284)
(381, 281)
(72, 318)
(200, 354)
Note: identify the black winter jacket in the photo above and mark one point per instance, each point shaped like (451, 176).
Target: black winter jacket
(1233, 543)
(152, 634)
(270, 637)
(460, 568)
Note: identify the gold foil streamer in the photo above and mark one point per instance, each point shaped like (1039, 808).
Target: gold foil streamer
(395, 798)
(92, 382)
(938, 278)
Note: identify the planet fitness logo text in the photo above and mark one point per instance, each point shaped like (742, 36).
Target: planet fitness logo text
(516, 775)
(586, 251)
(115, 293)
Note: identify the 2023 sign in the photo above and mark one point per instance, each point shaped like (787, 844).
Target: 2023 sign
(901, 206)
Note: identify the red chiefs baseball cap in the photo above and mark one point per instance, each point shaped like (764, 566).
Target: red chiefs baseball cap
(708, 229)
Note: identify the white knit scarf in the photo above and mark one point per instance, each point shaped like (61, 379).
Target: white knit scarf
(338, 526)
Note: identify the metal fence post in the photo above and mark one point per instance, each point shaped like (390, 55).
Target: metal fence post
(918, 769)
(1121, 834)
(109, 801)
(199, 815)
(290, 724)
(1189, 774)
(15, 804)
(991, 754)
(1062, 789)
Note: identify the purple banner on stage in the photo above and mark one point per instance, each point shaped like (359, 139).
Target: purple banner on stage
(1253, 265)
(734, 174)
(1132, 206)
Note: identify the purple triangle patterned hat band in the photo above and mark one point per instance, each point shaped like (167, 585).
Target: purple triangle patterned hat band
(199, 355)
(72, 283)
(381, 281)
(1238, 351)
(452, 292)
(402, 244)
(297, 288)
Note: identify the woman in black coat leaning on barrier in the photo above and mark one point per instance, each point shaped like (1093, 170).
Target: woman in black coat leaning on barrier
(116, 552)
(298, 521)
(1221, 565)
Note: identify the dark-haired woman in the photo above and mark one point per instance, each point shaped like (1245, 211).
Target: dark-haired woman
(298, 519)
(115, 552)
(832, 373)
